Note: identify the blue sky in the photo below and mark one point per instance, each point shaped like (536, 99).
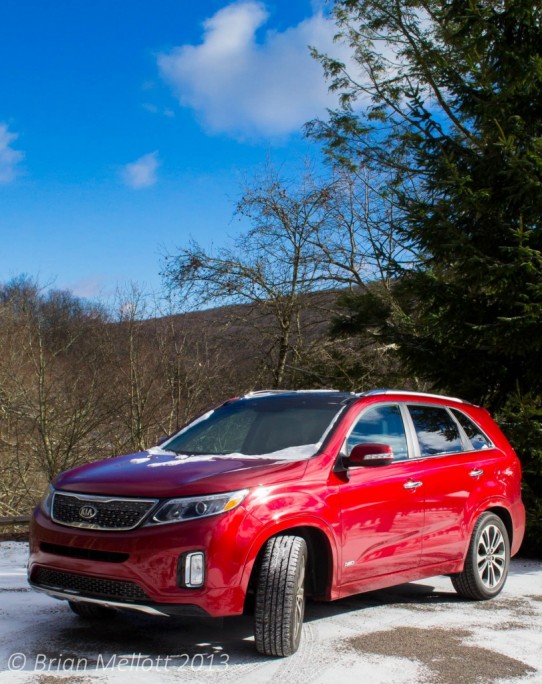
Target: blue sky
(127, 126)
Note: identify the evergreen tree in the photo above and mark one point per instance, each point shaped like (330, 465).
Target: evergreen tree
(454, 114)
(446, 95)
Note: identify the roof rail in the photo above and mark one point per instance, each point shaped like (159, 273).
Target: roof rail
(382, 390)
(410, 393)
(284, 391)
(264, 391)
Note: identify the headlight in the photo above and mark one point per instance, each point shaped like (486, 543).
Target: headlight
(192, 508)
(47, 501)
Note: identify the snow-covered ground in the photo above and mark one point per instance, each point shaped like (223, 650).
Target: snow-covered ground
(419, 633)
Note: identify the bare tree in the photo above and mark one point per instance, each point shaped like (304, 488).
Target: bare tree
(77, 384)
(361, 241)
(272, 265)
(194, 371)
(51, 381)
(163, 369)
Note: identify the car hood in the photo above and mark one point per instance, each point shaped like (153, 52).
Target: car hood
(156, 473)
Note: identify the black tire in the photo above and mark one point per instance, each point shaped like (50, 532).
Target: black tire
(280, 596)
(91, 611)
(487, 561)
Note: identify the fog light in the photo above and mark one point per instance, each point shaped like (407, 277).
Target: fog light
(194, 569)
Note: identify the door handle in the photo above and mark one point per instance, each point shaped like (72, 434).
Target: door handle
(476, 472)
(411, 484)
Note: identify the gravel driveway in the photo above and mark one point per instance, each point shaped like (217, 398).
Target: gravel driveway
(418, 633)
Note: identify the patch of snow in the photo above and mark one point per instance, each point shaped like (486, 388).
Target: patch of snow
(42, 640)
(298, 453)
(160, 451)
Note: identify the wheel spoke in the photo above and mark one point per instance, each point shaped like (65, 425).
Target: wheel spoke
(483, 546)
(499, 549)
(491, 536)
(482, 566)
(491, 556)
(299, 602)
(491, 577)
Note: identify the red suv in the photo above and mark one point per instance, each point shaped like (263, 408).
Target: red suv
(276, 496)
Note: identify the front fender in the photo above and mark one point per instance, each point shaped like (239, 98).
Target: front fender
(291, 523)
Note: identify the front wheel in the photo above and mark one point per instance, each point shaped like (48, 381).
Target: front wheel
(280, 596)
(487, 561)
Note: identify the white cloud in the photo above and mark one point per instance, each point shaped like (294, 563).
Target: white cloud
(142, 172)
(245, 87)
(9, 158)
(90, 288)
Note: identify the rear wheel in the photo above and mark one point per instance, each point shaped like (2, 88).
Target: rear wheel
(280, 596)
(91, 611)
(487, 561)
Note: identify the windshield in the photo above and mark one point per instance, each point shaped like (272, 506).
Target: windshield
(260, 427)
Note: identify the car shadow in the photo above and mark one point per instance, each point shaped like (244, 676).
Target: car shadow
(415, 595)
(210, 641)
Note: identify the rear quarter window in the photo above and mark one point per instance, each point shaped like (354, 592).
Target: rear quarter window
(475, 435)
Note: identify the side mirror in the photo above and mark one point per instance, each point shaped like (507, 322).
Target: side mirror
(370, 454)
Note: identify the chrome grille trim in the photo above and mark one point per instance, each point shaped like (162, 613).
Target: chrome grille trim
(113, 513)
(100, 602)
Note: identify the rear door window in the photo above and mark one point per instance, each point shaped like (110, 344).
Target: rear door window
(437, 431)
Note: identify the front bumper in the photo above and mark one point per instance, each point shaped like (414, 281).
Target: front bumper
(138, 569)
(164, 610)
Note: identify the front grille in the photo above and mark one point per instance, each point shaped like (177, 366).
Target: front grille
(99, 512)
(85, 554)
(83, 585)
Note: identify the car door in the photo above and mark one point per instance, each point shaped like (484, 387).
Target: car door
(382, 507)
(451, 479)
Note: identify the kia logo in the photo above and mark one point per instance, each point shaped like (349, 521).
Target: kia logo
(88, 512)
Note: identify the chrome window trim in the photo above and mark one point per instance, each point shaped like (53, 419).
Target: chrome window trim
(464, 439)
(419, 456)
(342, 450)
(491, 445)
(414, 453)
